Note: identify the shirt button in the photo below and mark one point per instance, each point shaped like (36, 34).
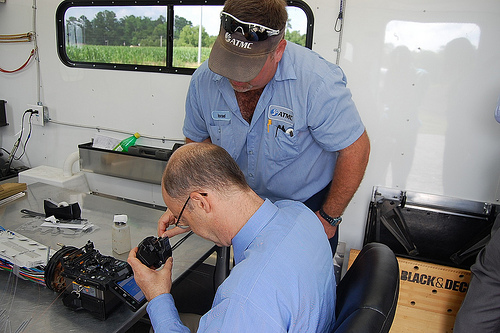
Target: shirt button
(250, 174)
(250, 152)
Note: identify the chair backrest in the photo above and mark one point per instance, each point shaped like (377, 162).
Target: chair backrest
(368, 293)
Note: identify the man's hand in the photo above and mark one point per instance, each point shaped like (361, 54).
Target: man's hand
(165, 221)
(152, 282)
(329, 229)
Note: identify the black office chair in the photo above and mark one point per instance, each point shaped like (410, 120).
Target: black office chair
(368, 293)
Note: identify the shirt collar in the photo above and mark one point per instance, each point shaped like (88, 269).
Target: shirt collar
(252, 228)
(285, 69)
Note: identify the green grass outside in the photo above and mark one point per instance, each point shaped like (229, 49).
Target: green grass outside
(184, 56)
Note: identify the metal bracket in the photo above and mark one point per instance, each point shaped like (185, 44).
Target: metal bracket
(389, 213)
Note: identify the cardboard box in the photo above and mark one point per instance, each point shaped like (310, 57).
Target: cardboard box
(9, 189)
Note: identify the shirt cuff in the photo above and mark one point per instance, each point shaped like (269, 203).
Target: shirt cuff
(164, 315)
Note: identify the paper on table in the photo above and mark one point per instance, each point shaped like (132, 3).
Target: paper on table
(67, 225)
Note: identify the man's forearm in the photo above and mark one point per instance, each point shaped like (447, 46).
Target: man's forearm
(349, 171)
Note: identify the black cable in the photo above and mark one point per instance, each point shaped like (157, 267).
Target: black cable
(27, 138)
(180, 241)
(50, 268)
(16, 144)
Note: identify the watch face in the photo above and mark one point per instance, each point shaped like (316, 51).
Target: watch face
(336, 221)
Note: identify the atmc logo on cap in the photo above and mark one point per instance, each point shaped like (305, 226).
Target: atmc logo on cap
(241, 44)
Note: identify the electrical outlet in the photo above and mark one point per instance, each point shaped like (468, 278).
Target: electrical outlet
(41, 116)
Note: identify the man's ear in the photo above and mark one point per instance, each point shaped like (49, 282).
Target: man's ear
(203, 200)
(280, 49)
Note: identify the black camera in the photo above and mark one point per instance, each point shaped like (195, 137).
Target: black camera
(153, 251)
(92, 281)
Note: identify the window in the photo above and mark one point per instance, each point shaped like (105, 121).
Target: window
(153, 36)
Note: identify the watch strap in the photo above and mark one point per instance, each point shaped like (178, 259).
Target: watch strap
(334, 221)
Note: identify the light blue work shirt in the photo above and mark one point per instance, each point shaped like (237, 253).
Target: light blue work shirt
(282, 281)
(307, 97)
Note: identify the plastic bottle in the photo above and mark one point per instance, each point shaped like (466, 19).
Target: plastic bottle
(121, 235)
(126, 143)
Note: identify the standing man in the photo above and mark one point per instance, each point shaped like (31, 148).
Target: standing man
(283, 279)
(282, 112)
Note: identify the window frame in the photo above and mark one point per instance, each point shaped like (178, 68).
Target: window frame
(66, 4)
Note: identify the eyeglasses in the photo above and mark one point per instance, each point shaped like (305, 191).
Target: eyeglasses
(182, 211)
(180, 214)
(252, 31)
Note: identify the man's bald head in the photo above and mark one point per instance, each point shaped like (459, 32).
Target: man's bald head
(201, 167)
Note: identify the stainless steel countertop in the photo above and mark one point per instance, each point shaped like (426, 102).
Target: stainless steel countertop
(23, 299)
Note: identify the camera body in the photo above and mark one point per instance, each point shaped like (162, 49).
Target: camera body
(153, 251)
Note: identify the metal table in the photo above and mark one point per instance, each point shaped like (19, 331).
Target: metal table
(22, 300)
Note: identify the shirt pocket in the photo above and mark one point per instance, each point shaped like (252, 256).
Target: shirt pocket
(220, 129)
(222, 133)
(281, 146)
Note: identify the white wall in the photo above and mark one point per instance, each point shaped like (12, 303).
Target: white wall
(429, 113)
(430, 121)
(150, 103)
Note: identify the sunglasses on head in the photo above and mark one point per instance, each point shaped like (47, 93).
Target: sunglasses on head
(252, 31)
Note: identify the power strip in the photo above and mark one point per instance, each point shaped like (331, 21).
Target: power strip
(23, 251)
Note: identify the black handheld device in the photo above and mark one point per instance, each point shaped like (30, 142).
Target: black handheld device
(92, 281)
(153, 251)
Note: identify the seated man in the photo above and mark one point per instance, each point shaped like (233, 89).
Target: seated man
(283, 279)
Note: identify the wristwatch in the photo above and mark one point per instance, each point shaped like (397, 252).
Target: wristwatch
(334, 221)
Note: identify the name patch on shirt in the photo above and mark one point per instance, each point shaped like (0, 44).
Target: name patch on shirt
(221, 115)
(280, 113)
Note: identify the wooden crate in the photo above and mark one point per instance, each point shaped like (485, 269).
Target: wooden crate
(430, 295)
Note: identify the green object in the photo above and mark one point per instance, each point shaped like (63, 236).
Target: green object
(126, 143)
